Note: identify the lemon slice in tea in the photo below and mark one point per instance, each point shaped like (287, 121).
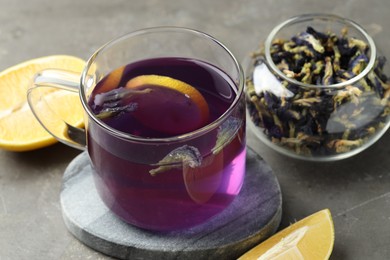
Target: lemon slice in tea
(169, 105)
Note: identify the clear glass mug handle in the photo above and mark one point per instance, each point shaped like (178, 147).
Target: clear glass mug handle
(48, 82)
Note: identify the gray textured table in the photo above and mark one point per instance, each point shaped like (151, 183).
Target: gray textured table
(356, 190)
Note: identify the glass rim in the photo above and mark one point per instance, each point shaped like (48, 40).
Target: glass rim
(320, 17)
(177, 138)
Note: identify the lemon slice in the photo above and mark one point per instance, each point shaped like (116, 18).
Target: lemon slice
(310, 238)
(174, 84)
(19, 129)
(159, 103)
(111, 81)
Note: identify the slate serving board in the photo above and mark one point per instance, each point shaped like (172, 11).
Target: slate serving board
(252, 217)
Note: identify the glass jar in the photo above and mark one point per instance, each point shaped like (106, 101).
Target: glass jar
(317, 98)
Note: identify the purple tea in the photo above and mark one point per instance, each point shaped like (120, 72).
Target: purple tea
(167, 181)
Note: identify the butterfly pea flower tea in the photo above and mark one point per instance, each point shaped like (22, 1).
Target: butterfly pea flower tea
(160, 186)
(164, 125)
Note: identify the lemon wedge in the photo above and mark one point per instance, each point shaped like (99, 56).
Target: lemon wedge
(310, 238)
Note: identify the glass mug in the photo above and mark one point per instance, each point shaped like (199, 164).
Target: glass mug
(164, 183)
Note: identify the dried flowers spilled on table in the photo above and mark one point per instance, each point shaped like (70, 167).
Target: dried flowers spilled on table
(318, 121)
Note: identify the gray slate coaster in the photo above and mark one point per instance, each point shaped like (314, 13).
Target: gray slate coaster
(252, 217)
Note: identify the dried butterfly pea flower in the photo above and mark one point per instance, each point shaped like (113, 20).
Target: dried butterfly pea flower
(321, 121)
